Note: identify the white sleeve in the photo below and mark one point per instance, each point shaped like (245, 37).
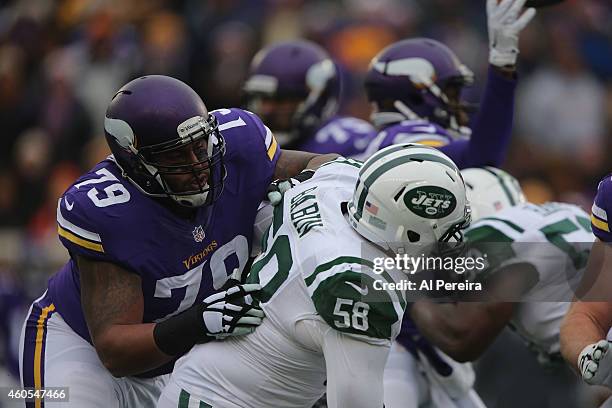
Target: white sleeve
(354, 371)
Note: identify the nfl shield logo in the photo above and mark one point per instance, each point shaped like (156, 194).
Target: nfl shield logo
(198, 234)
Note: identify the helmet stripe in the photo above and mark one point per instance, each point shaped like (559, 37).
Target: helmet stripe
(375, 175)
(378, 155)
(502, 182)
(390, 165)
(434, 158)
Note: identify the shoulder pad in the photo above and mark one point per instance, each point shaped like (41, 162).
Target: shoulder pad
(245, 132)
(351, 299)
(88, 209)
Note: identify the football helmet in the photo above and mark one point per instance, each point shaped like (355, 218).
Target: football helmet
(411, 79)
(165, 140)
(490, 190)
(299, 71)
(409, 194)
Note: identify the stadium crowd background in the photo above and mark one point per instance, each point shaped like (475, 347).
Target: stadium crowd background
(61, 62)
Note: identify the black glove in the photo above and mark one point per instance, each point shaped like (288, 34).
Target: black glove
(227, 313)
(230, 312)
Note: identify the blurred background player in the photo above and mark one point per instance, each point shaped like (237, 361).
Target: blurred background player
(327, 326)
(536, 255)
(295, 87)
(415, 87)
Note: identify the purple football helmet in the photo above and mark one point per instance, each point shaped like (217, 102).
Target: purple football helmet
(410, 80)
(161, 135)
(299, 71)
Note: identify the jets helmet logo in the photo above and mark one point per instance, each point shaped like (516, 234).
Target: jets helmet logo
(198, 234)
(430, 201)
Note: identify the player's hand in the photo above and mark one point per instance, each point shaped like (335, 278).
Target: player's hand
(595, 363)
(505, 22)
(278, 188)
(231, 312)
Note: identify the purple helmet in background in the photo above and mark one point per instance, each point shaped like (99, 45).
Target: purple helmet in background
(299, 71)
(410, 79)
(159, 131)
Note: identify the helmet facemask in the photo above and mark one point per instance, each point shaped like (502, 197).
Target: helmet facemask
(193, 184)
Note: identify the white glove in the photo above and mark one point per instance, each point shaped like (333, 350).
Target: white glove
(278, 188)
(505, 22)
(595, 363)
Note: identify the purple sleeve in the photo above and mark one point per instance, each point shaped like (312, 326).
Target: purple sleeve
(265, 151)
(599, 210)
(77, 227)
(492, 126)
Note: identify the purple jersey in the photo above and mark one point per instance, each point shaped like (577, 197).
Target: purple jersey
(104, 217)
(599, 212)
(409, 131)
(346, 136)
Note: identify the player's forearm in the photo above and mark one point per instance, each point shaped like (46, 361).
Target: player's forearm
(492, 127)
(580, 328)
(461, 330)
(292, 162)
(129, 349)
(321, 159)
(444, 328)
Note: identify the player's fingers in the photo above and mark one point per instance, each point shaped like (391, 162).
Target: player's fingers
(242, 290)
(491, 4)
(603, 345)
(215, 297)
(242, 331)
(248, 299)
(250, 287)
(523, 20)
(591, 369)
(515, 8)
(249, 321)
(231, 310)
(230, 307)
(255, 312)
(285, 185)
(503, 7)
(274, 197)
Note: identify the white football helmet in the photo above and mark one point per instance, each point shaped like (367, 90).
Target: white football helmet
(490, 189)
(409, 194)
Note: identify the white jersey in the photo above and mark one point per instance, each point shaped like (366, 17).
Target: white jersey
(555, 239)
(315, 278)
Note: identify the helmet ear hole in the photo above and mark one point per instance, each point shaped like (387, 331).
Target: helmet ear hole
(413, 236)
